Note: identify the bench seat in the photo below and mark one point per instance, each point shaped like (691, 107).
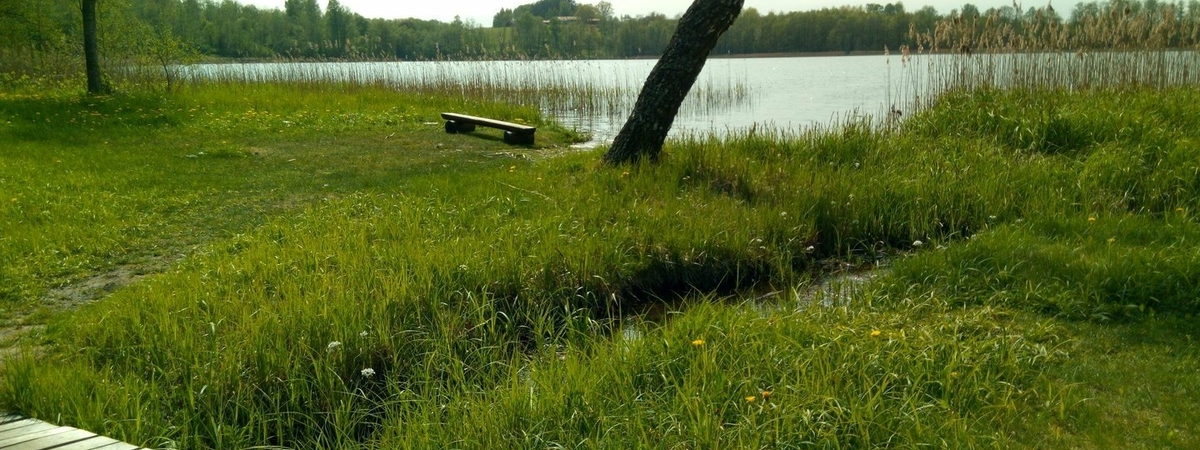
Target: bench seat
(516, 134)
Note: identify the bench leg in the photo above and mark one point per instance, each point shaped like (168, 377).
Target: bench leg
(518, 139)
(456, 127)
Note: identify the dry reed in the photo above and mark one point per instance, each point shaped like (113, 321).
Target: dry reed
(1103, 45)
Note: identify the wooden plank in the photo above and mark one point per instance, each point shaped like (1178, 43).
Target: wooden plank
(114, 446)
(26, 437)
(493, 123)
(17, 424)
(98, 443)
(24, 427)
(6, 418)
(20, 433)
(72, 435)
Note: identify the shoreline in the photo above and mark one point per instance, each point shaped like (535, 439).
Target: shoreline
(223, 60)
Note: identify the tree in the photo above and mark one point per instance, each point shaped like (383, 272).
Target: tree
(605, 9)
(91, 50)
(503, 19)
(305, 19)
(969, 12)
(337, 18)
(671, 79)
(587, 13)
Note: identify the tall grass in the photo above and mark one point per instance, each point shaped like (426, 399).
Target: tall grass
(590, 88)
(475, 301)
(1109, 47)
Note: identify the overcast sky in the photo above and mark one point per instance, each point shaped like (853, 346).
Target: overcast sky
(481, 11)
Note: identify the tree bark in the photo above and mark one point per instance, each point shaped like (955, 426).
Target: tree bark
(671, 79)
(91, 50)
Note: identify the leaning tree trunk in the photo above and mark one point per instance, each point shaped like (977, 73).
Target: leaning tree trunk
(91, 50)
(671, 79)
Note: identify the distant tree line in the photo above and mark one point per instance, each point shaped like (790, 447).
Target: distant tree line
(162, 30)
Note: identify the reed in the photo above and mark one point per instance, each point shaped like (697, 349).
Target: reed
(556, 87)
(1108, 45)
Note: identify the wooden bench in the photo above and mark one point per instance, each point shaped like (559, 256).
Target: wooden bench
(515, 134)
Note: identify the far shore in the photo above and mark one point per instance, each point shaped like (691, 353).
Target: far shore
(224, 60)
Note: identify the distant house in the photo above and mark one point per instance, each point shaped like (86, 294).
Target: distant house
(571, 19)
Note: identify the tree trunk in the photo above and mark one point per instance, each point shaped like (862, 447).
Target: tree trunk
(672, 78)
(91, 50)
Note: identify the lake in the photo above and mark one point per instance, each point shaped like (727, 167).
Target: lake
(596, 96)
(735, 93)
(781, 92)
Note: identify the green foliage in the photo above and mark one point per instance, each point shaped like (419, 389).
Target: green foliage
(741, 377)
(356, 278)
(1130, 266)
(43, 37)
(1133, 153)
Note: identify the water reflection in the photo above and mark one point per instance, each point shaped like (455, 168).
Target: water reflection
(597, 96)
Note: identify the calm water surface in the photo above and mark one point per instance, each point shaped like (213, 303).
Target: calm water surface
(781, 92)
(731, 94)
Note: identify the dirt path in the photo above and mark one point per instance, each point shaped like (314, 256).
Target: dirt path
(24, 325)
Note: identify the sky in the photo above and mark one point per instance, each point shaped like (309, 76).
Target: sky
(481, 11)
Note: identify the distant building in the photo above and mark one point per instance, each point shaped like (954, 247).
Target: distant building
(571, 19)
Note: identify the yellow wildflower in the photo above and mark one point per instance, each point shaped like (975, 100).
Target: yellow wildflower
(876, 333)
(751, 399)
(1092, 219)
(698, 342)
(766, 394)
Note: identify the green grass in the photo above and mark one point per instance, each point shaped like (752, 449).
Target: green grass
(490, 291)
(94, 183)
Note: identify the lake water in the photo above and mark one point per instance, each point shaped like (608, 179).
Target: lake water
(736, 93)
(596, 96)
(780, 92)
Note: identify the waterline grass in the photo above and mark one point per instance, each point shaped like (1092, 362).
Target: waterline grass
(353, 291)
(587, 88)
(1105, 46)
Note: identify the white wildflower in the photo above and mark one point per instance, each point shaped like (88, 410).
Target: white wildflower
(368, 372)
(333, 346)
(918, 243)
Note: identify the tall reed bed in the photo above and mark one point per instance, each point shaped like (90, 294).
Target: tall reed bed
(556, 87)
(1110, 45)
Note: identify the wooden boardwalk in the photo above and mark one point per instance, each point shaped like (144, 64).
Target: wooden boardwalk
(19, 433)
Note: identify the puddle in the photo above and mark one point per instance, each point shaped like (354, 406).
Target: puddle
(834, 288)
(838, 288)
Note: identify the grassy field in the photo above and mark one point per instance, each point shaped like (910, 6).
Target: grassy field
(323, 267)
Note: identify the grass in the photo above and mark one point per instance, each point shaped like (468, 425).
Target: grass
(346, 287)
(149, 177)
